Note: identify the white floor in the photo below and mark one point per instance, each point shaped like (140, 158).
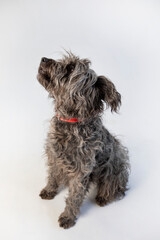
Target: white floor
(122, 40)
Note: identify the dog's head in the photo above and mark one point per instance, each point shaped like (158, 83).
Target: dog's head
(77, 90)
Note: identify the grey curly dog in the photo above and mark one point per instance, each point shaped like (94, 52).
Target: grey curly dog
(79, 149)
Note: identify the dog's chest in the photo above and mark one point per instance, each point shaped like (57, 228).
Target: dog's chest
(73, 151)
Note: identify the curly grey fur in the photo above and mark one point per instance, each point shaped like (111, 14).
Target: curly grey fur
(83, 152)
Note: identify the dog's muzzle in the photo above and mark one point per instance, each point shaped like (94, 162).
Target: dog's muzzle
(44, 59)
(45, 64)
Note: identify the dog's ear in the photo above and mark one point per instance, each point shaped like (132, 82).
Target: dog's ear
(108, 93)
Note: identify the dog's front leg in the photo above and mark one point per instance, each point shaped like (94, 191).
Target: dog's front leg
(53, 183)
(50, 191)
(77, 190)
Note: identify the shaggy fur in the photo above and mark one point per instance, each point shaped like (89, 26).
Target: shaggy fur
(82, 152)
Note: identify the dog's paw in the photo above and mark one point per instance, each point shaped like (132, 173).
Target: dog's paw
(44, 194)
(101, 201)
(66, 221)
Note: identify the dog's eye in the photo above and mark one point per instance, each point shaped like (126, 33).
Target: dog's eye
(70, 67)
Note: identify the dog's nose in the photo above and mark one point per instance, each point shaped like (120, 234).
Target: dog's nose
(44, 59)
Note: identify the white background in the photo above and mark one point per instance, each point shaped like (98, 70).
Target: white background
(122, 38)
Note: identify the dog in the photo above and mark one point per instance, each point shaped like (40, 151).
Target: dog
(79, 149)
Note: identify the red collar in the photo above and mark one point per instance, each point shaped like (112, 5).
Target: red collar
(68, 120)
